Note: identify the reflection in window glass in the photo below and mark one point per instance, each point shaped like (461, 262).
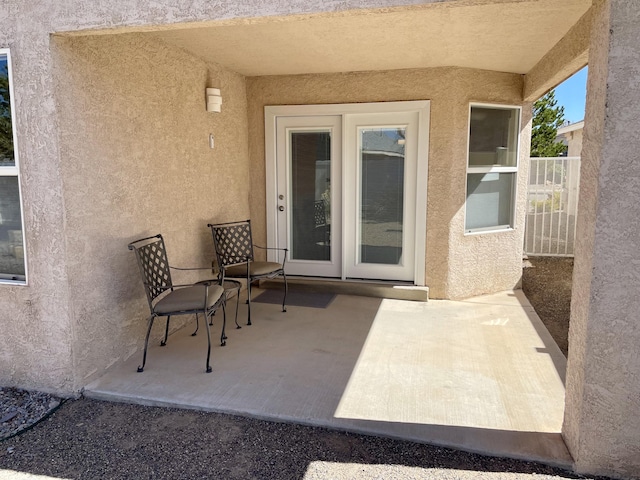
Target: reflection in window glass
(12, 262)
(489, 198)
(493, 138)
(11, 247)
(310, 195)
(382, 195)
(6, 132)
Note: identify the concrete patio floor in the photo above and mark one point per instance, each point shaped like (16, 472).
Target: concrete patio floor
(482, 374)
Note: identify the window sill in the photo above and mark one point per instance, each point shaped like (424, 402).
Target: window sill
(481, 231)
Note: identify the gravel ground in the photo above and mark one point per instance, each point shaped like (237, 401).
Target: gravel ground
(92, 439)
(20, 409)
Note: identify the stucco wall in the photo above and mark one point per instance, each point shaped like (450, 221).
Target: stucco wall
(36, 340)
(136, 161)
(456, 265)
(602, 424)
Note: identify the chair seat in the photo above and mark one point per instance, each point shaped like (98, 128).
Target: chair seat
(188, 299)
(255, 269)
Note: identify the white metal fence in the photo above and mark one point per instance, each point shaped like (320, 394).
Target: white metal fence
(552, 206)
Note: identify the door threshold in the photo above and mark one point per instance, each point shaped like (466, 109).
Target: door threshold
(364, 288)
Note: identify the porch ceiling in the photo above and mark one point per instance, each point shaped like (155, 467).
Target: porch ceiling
(507, 36)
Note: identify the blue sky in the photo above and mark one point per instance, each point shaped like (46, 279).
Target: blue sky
(572, 94)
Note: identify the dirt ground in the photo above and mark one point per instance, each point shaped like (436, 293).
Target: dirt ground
(546, 281)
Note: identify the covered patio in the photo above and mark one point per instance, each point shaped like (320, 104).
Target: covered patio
(115, 143)
(482, 374)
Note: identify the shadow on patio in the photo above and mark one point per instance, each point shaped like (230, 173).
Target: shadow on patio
(482, 374)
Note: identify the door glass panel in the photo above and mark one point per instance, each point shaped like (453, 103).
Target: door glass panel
(381, 194)
(310, 195)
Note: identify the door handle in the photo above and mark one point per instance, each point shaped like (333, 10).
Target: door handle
(281, 208)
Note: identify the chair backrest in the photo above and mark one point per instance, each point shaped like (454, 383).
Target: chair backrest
(232, 242)
(153, 264)
(320, 213)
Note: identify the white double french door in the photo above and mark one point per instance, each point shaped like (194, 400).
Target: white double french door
(343, 193)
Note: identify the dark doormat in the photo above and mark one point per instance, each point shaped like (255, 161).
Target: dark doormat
(296, 298)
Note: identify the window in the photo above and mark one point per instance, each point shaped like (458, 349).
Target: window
(492, 167)
(12, 260)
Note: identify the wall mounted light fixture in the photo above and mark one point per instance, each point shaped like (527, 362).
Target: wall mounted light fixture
(214, 100)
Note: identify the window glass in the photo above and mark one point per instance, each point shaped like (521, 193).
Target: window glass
(12, 261)
(6, 132)
(493, 136)
(310, 193)
(489, 198)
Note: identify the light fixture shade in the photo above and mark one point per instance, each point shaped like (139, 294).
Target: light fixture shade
(214, 100)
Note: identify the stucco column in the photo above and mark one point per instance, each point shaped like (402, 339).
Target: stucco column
(602, 415)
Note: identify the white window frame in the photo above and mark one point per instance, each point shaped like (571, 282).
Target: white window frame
(494, 169)
(14, 171)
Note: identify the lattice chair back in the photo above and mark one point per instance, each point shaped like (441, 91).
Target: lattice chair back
(154, 266)
(233, 243)
(320, 213)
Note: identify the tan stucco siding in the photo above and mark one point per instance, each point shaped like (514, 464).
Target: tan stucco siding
(602, 424)
(136, 161)
(567, 57)
(37, 338)
(475, 264)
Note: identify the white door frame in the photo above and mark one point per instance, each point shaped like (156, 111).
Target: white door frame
(421, 107)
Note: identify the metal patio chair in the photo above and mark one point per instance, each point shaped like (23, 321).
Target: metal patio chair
(166, 299)
(234, 253)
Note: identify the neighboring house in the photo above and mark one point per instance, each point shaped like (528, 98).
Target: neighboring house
(113, 142)
(571, 135)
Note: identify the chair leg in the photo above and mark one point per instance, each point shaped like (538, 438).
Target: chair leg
(206, 323)
(248, 302)
(166, 332)
(146, 343)
(197, 326)
(286, 289)
(237, 306)
(223, 335)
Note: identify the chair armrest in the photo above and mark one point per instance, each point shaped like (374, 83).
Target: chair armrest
(271, 248)
(285, 250)
(191, 268)
(206, 283)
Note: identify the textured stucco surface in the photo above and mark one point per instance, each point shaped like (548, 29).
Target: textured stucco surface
(568, 56)
(602, 424)
(136, 161)
(442, 34)
(37, 338)
(456, 265)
